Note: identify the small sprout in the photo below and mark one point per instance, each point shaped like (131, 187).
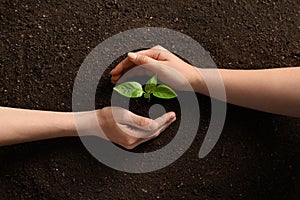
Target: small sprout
(151, 84)
(135, 90)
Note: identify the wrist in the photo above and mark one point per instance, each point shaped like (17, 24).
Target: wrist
(67, 124)
(87, 123)
(197, 82)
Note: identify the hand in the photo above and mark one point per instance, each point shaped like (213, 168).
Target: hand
(117, 124)
(124, 127)
(169, 68)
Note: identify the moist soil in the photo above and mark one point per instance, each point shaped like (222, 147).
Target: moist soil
(42, 46)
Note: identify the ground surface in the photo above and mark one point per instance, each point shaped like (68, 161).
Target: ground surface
(42, 45)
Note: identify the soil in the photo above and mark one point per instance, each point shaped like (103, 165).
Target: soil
(42, 46)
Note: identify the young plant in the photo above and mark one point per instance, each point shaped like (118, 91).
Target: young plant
(135, 90)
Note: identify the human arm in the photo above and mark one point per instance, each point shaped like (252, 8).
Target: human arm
(269, 90)
(21, 125)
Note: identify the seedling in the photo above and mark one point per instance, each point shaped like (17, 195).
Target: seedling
(135, 90)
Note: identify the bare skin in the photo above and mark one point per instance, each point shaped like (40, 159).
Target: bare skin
(124, 127)
(270, 90)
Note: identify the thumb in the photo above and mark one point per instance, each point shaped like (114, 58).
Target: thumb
(140, 59)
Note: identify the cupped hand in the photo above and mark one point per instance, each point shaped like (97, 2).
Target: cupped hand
(169, 68)
(128, 129)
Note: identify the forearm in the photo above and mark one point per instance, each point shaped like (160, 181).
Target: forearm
(20, 125)
(269, 90)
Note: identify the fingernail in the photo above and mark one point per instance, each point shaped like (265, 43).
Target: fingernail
(132, 55)
(172, 115)
(173, 120)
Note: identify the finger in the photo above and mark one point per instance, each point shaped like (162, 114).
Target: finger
(139, 121)
(140, 59)
(115, 78)
(149, 56)
(122, 67)
(162, 120)
(127, 64)
(127, 117)
(153, 135)
(153, 55)
(139, 71)
(157, 53)
(149, 124)
(158, 47)
(146, 131)
(159, 131)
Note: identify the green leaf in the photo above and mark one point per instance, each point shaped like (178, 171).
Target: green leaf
(130, 89)
(151, 84)
(164, 92)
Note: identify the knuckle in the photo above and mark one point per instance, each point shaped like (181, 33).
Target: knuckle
(142, 121)
(130, 147)
(143, 59)
(130, 143)
(157, 47)
(153, 126)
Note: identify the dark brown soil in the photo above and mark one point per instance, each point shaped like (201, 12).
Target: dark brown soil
(43, 44)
